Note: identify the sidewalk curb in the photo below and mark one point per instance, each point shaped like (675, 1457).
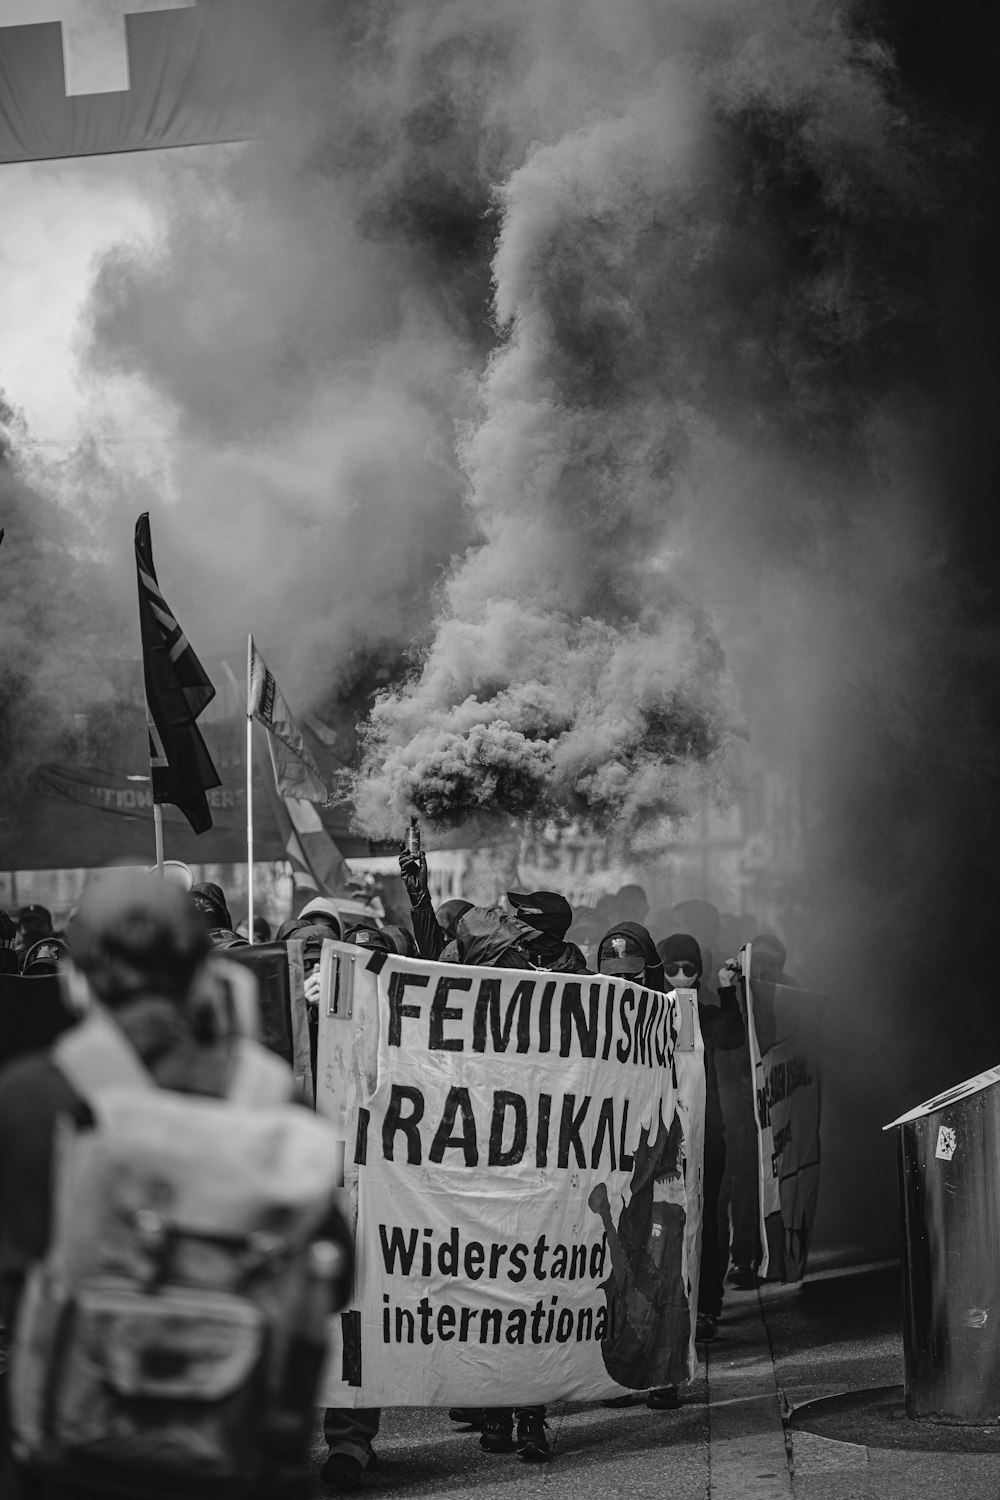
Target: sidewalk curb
(747, 1452)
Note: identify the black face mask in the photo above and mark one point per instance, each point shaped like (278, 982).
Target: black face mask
(620, 973)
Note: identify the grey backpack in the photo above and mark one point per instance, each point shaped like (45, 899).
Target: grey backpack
(156, 1351)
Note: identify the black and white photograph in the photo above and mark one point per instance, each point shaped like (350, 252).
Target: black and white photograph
(499, 749)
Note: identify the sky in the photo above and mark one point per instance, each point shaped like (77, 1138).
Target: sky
(56, 218)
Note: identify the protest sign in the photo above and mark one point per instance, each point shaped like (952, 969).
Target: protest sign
(279, 970)
(783, 1032)
(524, 1158)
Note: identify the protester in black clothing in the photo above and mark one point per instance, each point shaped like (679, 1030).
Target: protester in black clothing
(722, 1030)
(33, 923)
(546, 915)
(8, 940)
(210, 900)
(367, 935)
(492, 939)
(431, 933)
(42, 957)
(632, 903)
(550, 917)
(322, 912)
(261, 929)
(448, 915)
(401, 940)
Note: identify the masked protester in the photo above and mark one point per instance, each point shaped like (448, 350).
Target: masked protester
(739, 1199)
(43, 957)
(534, 938)
(210, 900)
(722, 1030)
(33, 923)
(432, 931)
(632, 903)
(401, 940)
(261, 929)
(549, 916)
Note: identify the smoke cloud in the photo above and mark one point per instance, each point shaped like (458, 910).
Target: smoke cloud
(691, 297)
(613, 388)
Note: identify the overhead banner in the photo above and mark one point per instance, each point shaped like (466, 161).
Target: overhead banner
(783, 1026)
(79, 78)
(524, 1159)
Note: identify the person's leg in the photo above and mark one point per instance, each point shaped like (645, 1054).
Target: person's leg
(467, 1416)
(745, 1198)
(349, 1431)
(532, 1443)
(710, 1275)
(497, 1429)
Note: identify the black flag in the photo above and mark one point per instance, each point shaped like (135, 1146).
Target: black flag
(177, 690)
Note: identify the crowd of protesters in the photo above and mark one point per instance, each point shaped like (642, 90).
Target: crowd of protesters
(689, 946)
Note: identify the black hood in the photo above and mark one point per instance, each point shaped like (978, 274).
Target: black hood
(653, 978)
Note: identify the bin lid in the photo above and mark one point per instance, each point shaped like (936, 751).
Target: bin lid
(950, 1096)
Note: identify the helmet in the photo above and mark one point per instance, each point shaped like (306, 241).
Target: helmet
(135, 934)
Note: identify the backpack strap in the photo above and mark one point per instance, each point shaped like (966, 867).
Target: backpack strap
(96, 1055)
(259, 1077)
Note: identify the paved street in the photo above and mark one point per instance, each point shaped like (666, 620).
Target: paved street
(778, 1350)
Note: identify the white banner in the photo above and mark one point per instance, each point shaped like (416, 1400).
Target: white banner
(783, 1026)
(524, 1157)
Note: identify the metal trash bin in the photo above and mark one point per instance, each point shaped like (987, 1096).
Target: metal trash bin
(949, 1198)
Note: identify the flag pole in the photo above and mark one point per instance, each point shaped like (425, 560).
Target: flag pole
(158, 831)
(249, 789)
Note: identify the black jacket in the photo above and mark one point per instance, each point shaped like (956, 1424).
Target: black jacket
(491, 939)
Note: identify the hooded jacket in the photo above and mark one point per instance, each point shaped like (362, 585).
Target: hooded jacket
(653, 975)
(491, 939)
(721, 1028)
(488, 939)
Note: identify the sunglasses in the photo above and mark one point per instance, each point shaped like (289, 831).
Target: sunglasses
(688, 970)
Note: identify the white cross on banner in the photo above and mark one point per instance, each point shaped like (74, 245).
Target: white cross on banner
(84, 77)
(95, 51)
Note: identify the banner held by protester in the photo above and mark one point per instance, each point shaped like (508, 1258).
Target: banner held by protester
(783, 1025)
(524, 1157)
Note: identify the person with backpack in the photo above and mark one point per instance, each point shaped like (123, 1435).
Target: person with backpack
(170, 1244)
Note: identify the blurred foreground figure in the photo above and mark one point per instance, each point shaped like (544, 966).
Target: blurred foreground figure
(176, 1350)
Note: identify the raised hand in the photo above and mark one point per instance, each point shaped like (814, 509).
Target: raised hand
(413, 873)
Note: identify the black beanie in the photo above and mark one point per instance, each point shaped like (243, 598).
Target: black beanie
(680, 948)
